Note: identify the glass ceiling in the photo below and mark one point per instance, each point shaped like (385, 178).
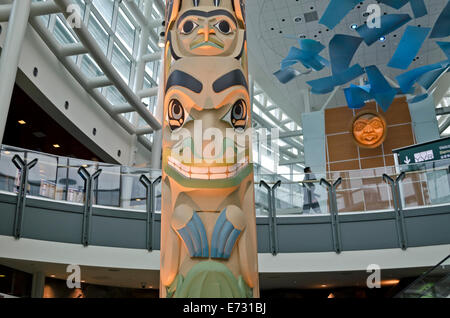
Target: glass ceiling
(117, 32)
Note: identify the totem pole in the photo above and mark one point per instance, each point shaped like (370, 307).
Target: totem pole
(208, 223)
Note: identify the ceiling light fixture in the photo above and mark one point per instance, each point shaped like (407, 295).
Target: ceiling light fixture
(354, 26)
(2, 276)
(56, 146)
(22, 122)
(383, 38)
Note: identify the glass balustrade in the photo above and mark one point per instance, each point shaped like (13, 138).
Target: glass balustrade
(57, 178)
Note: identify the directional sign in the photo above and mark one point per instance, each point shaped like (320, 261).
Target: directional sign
(423, 153)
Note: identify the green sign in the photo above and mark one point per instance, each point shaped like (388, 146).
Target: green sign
(426, 152)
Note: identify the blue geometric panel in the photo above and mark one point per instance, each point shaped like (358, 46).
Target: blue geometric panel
(441, 28)
(286, 75)
(408, 79)
(445, 47)
(194, 237)
(380, 89)
(336, 11)
(419, 8)
(396, 4)
(327, 84)
(357, 96)
(307, 54)
(408, 47)
(224, 237)
(389, 23)
(342, 49)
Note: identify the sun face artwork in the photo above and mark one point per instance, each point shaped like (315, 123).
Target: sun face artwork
(208, 222)
(369, 129)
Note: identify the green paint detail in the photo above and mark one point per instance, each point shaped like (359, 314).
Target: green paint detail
(208, 43)
(176, 285)
(245, 289)
(213, 184)
(211, 279)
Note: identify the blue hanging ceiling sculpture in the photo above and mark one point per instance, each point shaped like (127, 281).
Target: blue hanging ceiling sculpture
(342, 49)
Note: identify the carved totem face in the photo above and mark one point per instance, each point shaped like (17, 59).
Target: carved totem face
(369, 129)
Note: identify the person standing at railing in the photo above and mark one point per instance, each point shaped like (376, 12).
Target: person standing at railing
(309, 196)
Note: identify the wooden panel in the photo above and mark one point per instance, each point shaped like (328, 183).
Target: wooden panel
(389, 161)
(370, 106)
(346, 165)
(338, 120)
(398, 113)
(364, 152)
(372, 163)
(398, 136)
(342, 147)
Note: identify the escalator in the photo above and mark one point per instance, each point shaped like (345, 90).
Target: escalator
(434, 283)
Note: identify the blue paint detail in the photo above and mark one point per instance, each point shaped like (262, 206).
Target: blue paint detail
(230, 243)
(336, 11)
(216, 233)
(185, 236)
(202, 232)
(342, 49)
(441, 28)
(195, 239)
(389, 23)
(223, 238)
(408, 47)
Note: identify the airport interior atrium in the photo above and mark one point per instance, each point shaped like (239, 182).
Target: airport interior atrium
(225, 148)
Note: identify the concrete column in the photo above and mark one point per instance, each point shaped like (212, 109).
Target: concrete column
(37, 288)
(314, 138)
(9, 59)
(424, 122)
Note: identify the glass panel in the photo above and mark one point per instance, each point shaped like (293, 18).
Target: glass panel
(42, 177)
(125, 31)
(108, 186)
(89, 67)
(9, 174)
(99, 33)
(105, 8)
(62, 33)
(121, 63)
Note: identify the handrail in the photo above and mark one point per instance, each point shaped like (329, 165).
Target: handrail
(423, 276)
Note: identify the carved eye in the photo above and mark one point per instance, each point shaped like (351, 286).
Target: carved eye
(360, 126)
(224, 27)
(376, 124)
(176, 114)
(238, 115)
(188, 27)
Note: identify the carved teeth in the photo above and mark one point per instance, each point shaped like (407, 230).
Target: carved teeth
(207, 173)
(199, 170)
(218, 169)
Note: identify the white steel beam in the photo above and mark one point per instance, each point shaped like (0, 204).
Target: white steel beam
(73, 49)
(97, 82)
(108, 69)
(37, 9)
(9, 59)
